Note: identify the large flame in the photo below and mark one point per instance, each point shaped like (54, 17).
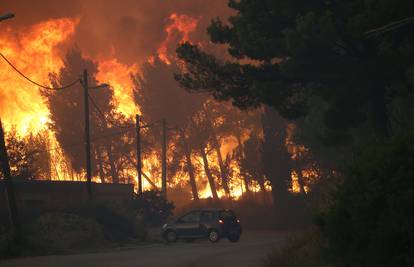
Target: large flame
(38, 50)
(119, 77)
(34, 50)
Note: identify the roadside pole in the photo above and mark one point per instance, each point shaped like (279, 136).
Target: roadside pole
(87, 135)
(8, 183)
(139, 160)
(164, 159)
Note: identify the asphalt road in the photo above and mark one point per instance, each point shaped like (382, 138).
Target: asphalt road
(251, 250)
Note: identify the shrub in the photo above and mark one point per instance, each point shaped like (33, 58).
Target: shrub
(302, 250)
(118, 221)
(369, 217)
(151, 209)
(55, 231)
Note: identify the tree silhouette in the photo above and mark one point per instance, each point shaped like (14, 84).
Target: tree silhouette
(159, 96)
(106, 146)
(29, 157)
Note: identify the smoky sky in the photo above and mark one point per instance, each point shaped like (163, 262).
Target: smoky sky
(130, 30)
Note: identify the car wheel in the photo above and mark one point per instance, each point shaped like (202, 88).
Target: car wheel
(170, 236)
(213, 236)
(234, 238)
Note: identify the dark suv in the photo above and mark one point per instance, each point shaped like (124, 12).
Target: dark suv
(207, 223)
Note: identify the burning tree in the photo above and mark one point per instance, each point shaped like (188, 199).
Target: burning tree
(160, 97)
(108, 149)
(29, 157)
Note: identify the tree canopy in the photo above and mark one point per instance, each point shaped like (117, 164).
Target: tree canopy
(356, 55)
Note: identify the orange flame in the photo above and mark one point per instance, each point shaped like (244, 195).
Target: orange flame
(35, 52)
(180, 24)
(118, 76)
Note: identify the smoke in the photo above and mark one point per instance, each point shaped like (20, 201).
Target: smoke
(129, 30)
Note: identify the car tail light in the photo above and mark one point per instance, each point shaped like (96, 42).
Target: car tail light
(221, 222)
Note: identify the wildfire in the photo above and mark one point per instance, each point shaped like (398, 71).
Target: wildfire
(180, 29)
(38, 51)
(119, 77)
(34, 50)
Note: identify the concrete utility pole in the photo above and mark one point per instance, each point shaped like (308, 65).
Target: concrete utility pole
(8, 183)
(164, 158)
(139, 162)
(87, 135)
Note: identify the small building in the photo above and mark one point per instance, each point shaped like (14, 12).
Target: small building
(36, 194)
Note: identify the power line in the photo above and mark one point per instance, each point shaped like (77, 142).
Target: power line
(107, 119)
(149, 125)
(389, 27)
(112, 134)
(36, 83)
(79, 144)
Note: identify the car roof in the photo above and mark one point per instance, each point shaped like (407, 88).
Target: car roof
(212, 209)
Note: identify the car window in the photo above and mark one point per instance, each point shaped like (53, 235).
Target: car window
(192, 217)
(227, 215)
(207, 216)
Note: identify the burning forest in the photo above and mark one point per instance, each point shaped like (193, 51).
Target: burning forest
(238, 122)
(211, 147)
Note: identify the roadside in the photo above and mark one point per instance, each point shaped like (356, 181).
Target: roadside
(250, 251)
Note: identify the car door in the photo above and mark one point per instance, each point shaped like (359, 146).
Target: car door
(189, 224)
(206, 221)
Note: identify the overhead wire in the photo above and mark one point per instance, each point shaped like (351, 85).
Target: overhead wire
(79, 144)
(107, 119)
(115, 124)
(36, 83)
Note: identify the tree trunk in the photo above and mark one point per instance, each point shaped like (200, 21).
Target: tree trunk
(100, 164)
(261, 183)
(190, 168)
(208, 173)
(244, 175)
(223, 171)
(300, 180)
(276, 159)
(114, 173)
(216, 146)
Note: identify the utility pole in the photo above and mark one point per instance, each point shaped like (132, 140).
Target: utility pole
(139, 162)
(8, 183)
(87, 135)
(164, 158)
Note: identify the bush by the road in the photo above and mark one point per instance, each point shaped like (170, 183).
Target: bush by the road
(152, 209)
(369, 218)
(301, 250)
(54, 231)
(118, 221)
